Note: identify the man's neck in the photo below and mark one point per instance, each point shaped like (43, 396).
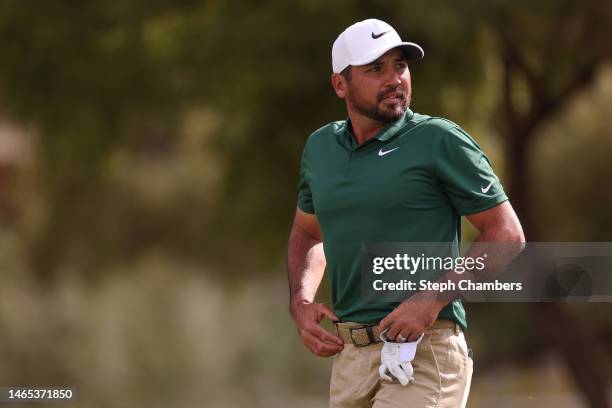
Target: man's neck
(364, 128)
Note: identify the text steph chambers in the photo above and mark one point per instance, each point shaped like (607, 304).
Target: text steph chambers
(463, 285)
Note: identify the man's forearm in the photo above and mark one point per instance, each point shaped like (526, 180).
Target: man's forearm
(305, 265)
(499, 247)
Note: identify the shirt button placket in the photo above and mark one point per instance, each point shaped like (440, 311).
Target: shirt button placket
(348, 162)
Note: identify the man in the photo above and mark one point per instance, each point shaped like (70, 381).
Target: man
(386, 174)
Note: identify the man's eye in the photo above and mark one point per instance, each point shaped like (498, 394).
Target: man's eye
(401, 66)
(375, 68)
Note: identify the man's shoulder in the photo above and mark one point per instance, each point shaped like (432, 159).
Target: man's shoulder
(331, 128)
(434, 123)
(324, 133)
(443, 129)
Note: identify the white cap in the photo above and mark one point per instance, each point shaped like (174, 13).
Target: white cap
(365, 41)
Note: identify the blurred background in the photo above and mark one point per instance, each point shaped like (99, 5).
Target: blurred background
(149, 157)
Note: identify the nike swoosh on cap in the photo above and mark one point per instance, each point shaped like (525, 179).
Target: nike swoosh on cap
(375, 36)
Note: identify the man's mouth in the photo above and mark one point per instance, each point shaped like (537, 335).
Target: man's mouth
(393, 97)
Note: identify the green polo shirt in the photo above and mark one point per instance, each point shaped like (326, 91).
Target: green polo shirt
(411, 182)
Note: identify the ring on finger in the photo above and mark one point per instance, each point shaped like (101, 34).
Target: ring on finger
(400, 338)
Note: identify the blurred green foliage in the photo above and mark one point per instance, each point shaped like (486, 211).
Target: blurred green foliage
(175, 129)
(105, 79)
(99, 78)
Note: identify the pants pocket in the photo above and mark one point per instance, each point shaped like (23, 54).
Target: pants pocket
(451, 353)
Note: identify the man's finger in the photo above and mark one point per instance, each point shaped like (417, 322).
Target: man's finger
(319, 347)
(387, 322)
(327, 311)
(323, 334)
(394, 330)
(317, 352)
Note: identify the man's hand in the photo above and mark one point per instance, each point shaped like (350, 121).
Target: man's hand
(410, 319)
(319, 341)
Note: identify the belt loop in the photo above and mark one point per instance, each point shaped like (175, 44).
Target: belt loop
(370, 334)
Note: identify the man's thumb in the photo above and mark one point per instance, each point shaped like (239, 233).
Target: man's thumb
(327, 311)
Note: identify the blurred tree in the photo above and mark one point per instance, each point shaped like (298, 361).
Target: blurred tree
(93, 78)
(549, 51)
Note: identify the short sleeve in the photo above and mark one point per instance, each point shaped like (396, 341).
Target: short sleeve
(304, 193)
(465, 173)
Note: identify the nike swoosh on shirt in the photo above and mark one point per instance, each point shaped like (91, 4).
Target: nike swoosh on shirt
(382, 153)
(486, 189)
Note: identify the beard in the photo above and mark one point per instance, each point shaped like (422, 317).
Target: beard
(374, 111)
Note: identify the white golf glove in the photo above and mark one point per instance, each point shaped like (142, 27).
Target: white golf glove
(395, 360)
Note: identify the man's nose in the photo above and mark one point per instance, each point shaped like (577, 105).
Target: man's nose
(393, 78)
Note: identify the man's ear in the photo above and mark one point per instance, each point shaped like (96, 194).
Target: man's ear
(340, 85)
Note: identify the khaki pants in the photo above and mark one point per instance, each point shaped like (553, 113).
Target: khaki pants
(442, 374)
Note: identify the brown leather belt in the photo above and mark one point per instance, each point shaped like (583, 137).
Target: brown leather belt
(362, 335)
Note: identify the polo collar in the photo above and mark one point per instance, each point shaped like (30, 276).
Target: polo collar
(384, 134)
(391, 129)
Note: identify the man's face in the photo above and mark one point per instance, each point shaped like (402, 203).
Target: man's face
(380, 90)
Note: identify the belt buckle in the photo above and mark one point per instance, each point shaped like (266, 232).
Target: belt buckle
(368, 329)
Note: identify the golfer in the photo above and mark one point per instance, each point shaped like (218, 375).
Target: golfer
(387, 174)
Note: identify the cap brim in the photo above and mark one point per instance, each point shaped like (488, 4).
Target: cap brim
(412, 51)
